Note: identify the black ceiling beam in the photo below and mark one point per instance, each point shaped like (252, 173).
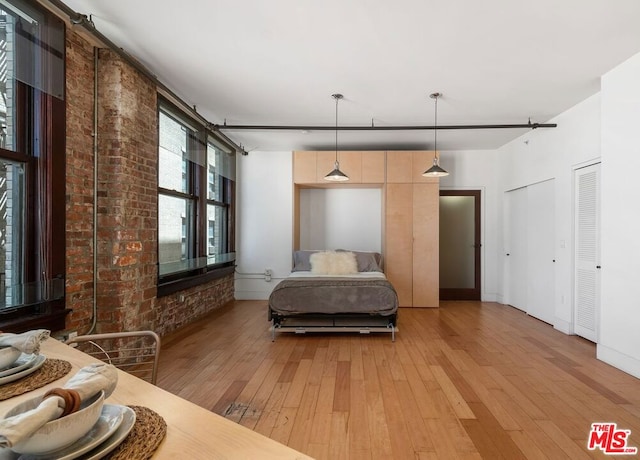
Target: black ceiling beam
(377, 128)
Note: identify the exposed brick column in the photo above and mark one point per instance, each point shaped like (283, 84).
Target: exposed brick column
(79, 182)
(128, 194)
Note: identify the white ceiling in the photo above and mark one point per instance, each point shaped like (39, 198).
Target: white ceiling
(279, 61)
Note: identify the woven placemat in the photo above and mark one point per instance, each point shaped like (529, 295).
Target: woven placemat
(52, 369)
(148, 432)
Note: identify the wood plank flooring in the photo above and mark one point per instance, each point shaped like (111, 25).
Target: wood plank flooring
(470, 380)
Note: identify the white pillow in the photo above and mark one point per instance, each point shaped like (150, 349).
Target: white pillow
(333, 263)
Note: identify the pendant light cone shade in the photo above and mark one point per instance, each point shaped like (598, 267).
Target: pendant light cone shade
(336, 175)
(435, 170)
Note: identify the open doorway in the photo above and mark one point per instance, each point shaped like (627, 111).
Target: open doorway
(460, 244)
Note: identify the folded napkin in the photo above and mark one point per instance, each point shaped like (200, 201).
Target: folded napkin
(92, 378)
(27, 342)
(58, 402)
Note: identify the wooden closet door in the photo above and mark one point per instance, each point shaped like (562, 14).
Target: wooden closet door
(398, 262)
(426, 245)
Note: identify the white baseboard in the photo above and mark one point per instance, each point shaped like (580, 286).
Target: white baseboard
(489, 297)
(563, 326)
(625, 363)
(253, 288)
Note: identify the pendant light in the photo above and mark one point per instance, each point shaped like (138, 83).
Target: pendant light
(336, 175)
(435, 170)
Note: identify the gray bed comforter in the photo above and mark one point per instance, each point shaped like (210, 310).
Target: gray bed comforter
(295, 296)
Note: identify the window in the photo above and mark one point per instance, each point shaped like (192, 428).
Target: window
(32, 166)
(196, 176)
(220, 181)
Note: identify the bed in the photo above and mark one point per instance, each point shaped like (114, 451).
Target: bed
(321, 295)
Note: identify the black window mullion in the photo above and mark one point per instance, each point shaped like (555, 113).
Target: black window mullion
(231, 216)
(199, 192)
(217, 203)
(175, 193)
(195, 187)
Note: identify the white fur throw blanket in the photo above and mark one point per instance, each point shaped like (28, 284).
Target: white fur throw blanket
(333, 263)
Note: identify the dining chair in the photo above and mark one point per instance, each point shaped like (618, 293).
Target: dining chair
(135, 352)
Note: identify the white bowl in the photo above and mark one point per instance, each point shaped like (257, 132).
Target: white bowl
(61, 432)
(8, 356)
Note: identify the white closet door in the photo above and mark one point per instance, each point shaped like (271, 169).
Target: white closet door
(516, 248)
(541, 251)
(587, 252)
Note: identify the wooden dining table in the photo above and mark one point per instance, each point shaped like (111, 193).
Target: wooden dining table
(192, 431)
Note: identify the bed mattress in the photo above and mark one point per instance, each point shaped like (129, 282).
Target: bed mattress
(307, 293)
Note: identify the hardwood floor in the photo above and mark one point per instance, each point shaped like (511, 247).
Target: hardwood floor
(467, 381)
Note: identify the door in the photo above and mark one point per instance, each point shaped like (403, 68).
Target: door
(541, 251)
(460, 245)
(516, 247)
(586, 314)
(398, 260)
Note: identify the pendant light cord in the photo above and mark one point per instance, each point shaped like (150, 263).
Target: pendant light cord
(435, 128)
(336, 175)
(337, 98)
(435, 170)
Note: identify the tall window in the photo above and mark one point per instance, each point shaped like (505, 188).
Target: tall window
(177, 197)
(196, 177)
(220, 181)
(32, 163)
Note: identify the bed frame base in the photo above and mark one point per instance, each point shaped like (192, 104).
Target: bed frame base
(299, 325)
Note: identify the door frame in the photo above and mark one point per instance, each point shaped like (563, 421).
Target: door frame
(475, 292)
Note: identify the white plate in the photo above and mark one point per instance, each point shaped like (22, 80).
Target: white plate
(22, 362)
(129, 419)
(110, 420)
(35, 365)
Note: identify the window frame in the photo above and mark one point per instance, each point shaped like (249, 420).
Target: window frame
(40, 144)
(199, 267)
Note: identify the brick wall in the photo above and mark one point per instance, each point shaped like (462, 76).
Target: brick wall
(127, 203)
(79, 183)
(177, 310)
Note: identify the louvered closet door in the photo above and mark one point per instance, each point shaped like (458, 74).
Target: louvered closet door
(587, 252)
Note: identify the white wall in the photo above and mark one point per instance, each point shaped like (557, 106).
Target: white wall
(475, 170)
(552, 153)
(264, 235)
(619, 342)
(343, 218)
(535, 156)
(263, 227)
